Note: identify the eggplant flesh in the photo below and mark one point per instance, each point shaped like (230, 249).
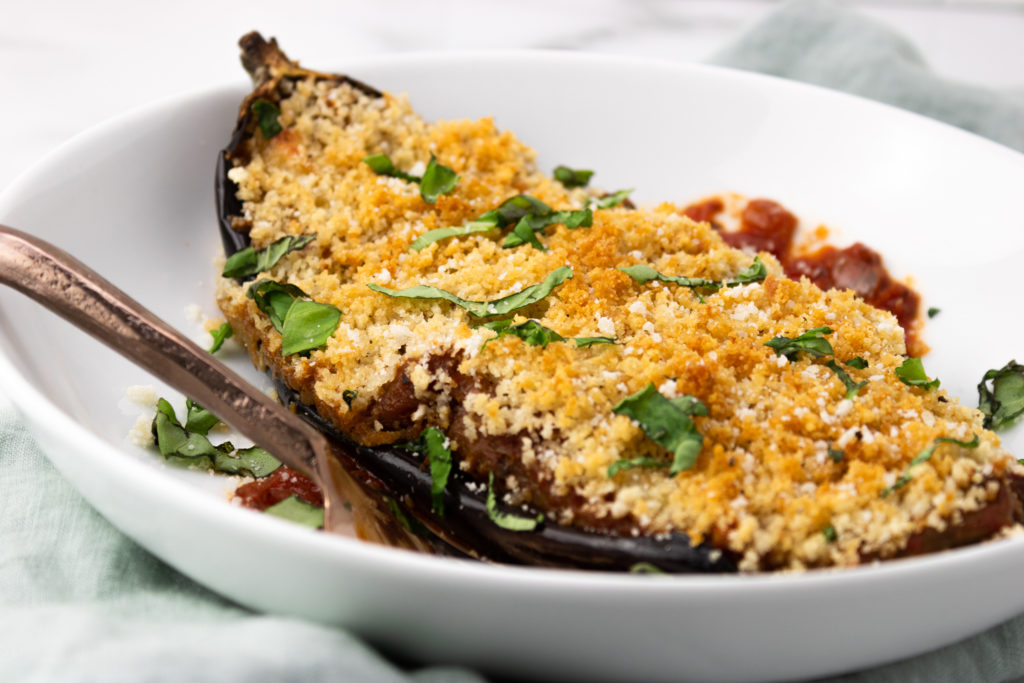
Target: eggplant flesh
(390, 473)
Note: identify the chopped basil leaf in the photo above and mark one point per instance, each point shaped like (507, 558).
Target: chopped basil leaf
(571, 178)
(253, 460)
(308, 325)
(174, 440)
(1004, 402)
(437, 180)
(198, 419)
(932, 312)
(304, 325)
(348, 396)
(248, 261)
(381, 164)
(667, 423)
(219, 335)
(523, 233)
(266, 118)
(528, 226)
(531, 332)
(294, 509)
(643, 274)
(528, 214)
(858, 363)
(504, 519)
(611, 200)
(644, 568)
(629, 463)
(912, 374)
(513, 209)
(483, 309)
(811, 342)
(433, 444)
(836, 454)
(582, 342)
(851, 387)
(830, 534)
(535, 334)
(274, 299)
(925, 455)
(410, 524)
(439, 234)
(190, 442)
(755, 273)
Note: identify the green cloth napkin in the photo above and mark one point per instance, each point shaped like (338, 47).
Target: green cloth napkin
(817, 41)
(81, 602)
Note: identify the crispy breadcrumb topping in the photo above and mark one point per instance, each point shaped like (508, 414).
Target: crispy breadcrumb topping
(791, 474)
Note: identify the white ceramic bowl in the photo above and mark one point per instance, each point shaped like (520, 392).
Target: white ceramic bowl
(134, 199)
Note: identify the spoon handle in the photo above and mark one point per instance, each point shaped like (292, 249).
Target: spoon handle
(75, 292)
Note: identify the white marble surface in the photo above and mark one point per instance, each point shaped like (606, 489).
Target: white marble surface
(67, 66)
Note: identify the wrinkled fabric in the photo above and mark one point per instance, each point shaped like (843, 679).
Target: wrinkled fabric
(81, 602)
(819, 42)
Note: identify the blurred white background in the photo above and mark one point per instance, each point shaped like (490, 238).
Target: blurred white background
(67, 66)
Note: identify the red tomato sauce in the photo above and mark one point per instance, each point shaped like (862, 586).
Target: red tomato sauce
(279, 485)
(766, 225)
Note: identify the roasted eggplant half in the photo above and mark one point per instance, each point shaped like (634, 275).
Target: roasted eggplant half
(517, 367)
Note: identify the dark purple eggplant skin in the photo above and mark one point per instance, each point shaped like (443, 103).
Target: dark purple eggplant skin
(466, 528)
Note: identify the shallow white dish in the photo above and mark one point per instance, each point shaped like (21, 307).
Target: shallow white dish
(134, 200)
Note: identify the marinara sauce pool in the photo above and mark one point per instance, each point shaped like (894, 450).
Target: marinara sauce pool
(765, 225)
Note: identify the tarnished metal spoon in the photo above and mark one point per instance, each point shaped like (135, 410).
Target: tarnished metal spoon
(75, 292)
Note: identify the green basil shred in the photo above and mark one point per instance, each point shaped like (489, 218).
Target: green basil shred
(505, 520)
(410, 524)
(294, 509)
(529, 216)
(923, 456)
(812, 342)
(610, 200)
(304, 325)
(219, 336)
(535, 334)
(642, 274)
(436, 180)
(483, 309)
(188, 443)
(266, 118)
(571, 178)
(1004, 402)
(433, 444)
(381, 164)
(667, 422)
(248, 261)
(912, 373)
(630, 463)
(851, 387)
